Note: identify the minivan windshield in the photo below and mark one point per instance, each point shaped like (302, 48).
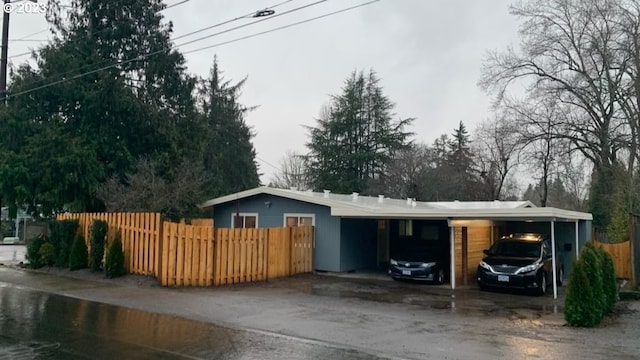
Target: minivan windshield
(515, 248)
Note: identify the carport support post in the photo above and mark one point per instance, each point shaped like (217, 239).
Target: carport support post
(452, 241)
(577, 241)
(553, 258)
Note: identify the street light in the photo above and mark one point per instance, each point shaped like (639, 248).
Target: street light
(4, 50)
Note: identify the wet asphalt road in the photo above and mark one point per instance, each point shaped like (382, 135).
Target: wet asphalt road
(38, 325)
(303, 317)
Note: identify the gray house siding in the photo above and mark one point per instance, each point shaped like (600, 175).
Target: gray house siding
(358, 246)
(271, 210)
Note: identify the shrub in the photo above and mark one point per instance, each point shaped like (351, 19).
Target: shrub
(114, 263)
(33, 252)
(593, 270)
(609, 280)
(46, 254)
(579, 307)
(63, 233)
(79, 256)
(98, 235)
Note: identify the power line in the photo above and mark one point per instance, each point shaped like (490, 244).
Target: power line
(229, 21)
(280, 27)
(28, 40)
(30, 35)
(267, 163)
(120, 62)
(141, 57)
(248, 24)
(94, 33)
(176, 4)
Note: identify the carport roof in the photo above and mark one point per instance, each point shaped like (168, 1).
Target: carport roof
(355, 205)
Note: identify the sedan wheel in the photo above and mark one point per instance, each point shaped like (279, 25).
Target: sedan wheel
(440, 279)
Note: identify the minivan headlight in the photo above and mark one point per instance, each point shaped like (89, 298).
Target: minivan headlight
(529, 268)
(393, 262)
(485, 266)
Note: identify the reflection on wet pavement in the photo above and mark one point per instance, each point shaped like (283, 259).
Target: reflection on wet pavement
(36, 325)
(467, 301)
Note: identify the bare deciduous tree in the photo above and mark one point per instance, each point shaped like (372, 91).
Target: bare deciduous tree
(292, 172)
(497, 147)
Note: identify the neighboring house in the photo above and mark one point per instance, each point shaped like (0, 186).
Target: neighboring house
(354, 232)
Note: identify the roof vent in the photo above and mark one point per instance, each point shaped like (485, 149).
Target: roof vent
(409, 201)
(380, 198)
(354, 196)
(326, 193)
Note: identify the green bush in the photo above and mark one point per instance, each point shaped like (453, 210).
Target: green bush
(114, 263)
(593, 268)
(579, 307)
(79, 256)
(33, 252)
(46, 254)
(98, 236)
(62, 234)
(609, 280)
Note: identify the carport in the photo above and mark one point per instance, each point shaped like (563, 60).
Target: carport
(553, 221)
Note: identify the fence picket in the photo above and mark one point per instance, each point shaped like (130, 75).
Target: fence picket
(190, 255)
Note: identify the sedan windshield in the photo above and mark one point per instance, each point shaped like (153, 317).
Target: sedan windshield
(516, 249)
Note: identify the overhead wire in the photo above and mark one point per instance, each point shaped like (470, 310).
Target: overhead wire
(95, 33)
(280, 27)
(119, 62)
(141, 57)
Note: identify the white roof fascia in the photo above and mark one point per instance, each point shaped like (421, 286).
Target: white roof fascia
(396, 208)
(523, 214)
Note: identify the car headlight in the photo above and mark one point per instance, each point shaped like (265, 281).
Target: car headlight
(393, 262)
(485, 266)
(528, 268)
(428, 265)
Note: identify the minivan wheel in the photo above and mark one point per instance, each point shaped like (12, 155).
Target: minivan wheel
(560, 279)
(542, 284)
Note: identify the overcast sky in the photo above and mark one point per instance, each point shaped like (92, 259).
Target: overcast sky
(427, 53)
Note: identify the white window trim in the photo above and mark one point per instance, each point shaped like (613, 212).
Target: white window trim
(233, 215)
(298, 215)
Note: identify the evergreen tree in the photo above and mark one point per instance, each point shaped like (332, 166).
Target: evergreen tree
(355, 137)
(229, 158)
(79, 255)
(107, 108)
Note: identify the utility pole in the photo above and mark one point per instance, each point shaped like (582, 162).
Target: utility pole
(3, 71)
(4, 53)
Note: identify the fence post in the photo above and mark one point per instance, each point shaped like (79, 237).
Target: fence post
(266, 254)
(633, 239)
(290, 246)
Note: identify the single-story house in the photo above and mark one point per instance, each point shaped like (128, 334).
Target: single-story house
(354, 232)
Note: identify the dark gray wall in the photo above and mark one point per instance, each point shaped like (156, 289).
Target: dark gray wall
(358, 245)
(326, 253)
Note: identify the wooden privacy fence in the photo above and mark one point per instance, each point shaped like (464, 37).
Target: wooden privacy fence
(140, 235)
(203, 256)
(621, 254)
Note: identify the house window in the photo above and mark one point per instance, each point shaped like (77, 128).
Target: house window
(299, 220)
(244, 220)
(405, 227)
